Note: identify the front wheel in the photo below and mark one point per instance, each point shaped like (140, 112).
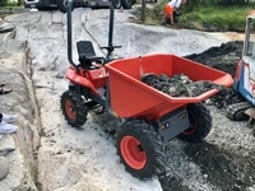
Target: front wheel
(200, 123)
(74, 108)
(140, 149)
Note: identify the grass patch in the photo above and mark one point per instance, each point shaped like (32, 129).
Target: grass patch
(206, 18)
(8, 3)
(220, 18)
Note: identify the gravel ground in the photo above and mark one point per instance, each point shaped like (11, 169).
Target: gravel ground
(226, 158)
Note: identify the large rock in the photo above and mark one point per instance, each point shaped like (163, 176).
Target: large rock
(5, 26)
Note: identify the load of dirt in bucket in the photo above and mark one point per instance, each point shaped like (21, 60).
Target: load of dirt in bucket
(179, 85)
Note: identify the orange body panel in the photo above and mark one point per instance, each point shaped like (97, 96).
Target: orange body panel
(92, 79)
(98, 77)
(132, 98)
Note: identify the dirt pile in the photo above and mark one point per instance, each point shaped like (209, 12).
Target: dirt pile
(224, 58)
(235, 166)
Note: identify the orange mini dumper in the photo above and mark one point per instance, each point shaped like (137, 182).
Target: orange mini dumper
(151, 118)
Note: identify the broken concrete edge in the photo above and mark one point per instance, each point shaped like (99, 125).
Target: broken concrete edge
(6, 26)
(27, 74)
(27, 134)
(4, 167)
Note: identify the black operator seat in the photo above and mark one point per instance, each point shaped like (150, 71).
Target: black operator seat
(87, 54)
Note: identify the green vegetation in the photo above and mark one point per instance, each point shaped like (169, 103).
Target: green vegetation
(206, 17)
(9, 3)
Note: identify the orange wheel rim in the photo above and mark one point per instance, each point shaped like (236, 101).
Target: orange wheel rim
(70, 110)
(132, 152)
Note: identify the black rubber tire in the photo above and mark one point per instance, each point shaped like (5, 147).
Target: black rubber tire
(127, 4)
(116, 4)
(236, 111)
(156, 152)
(77, 115)
(201, 123)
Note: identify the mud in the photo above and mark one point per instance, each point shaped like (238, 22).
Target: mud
(233, 172)
(219, 167)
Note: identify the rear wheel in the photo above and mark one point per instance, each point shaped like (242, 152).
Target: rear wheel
(74, 108)
(140, 149)
(200, 123)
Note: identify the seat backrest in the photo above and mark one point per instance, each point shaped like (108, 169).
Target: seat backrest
(85, 49)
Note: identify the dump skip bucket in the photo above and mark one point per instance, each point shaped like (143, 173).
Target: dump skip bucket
(130, 97)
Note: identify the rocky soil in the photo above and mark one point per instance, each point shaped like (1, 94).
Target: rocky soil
(229, 169)
(46, 154)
